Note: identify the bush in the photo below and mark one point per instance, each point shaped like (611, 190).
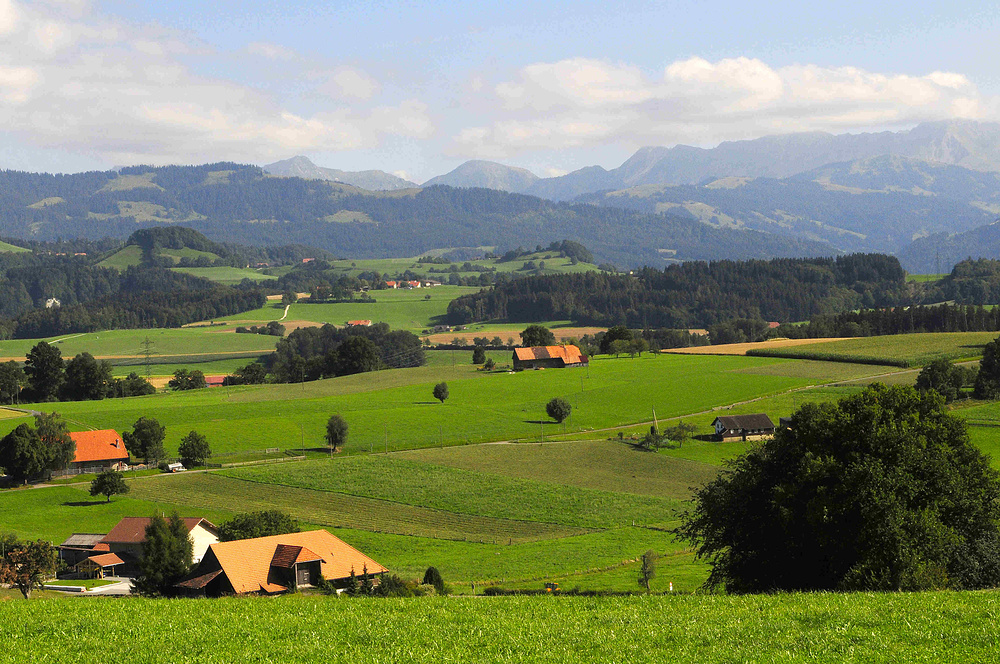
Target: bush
(433, 577)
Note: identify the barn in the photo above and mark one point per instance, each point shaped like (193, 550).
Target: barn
(743, 427)
(549, 357)
(276, 564)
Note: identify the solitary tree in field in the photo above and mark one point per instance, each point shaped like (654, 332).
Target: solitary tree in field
(109, 483)
(441, 391)
(27, 565)
(879, 491)
(194, 449)
(336, 432)
(558, 409)
(647, 572)
(478, 355)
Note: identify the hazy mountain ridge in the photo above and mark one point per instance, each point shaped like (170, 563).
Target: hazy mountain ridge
(938, 253)
(234, 203)
(965, 143)
(303, 167)
(487, 175)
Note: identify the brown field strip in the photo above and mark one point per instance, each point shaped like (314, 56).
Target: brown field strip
(326, 508)
(559, 333)
(741, 349)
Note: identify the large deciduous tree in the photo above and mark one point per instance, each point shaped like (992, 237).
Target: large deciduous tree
(558, 409)
(109, 483)
(441, 391)
(194, 449)
(87, 379)
(22, 455)
(988, 380)
(12, 380)
(879, 491)
(537, 335)
(146, 439)
(60, 449)
(27, 565)
(336, 431)
(166, 557)
(46, 370)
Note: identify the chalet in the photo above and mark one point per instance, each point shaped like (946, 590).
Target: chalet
(359, 323)
(276, 564)
(99, 450)
(127, 538)
(77, 547)
(544, 357)
(743, 427)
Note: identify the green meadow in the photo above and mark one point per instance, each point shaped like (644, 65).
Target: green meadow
(816, 628)
(225, 275)
(916, 349)
(395, 410)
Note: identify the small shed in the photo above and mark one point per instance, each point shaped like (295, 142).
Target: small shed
(78, 547)
(756, 426)
(99, 566)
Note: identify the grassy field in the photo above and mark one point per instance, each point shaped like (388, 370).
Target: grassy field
(916, 349)
(394, 266)
(225, 275)
(815, 628)
(12, 248)
(402, 309)
(395, 410)
(122, 259)
(178, 342)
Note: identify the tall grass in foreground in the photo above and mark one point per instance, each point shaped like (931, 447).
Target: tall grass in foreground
(919, 627)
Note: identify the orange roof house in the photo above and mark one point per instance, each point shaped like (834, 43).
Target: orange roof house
(359, 323)
(103, 448)
(276, 564)
(541, 357)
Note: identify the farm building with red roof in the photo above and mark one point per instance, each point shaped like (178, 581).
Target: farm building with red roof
(545, 357)
(128, 537)
(98, 449)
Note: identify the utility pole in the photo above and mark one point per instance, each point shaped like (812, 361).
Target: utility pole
(147, 352)
(386, 427)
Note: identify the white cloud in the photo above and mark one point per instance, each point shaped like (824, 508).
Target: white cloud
(271, 51)
(77, 81)
(585, 102)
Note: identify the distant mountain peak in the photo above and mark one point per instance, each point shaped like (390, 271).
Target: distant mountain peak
(303, 167)
(488, 175)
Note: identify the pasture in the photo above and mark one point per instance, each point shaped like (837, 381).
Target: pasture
(394, 409)
(225, 275)
(815, 627)
(913, 349)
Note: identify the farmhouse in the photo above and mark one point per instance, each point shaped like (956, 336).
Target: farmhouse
(77, 547)
(126, 539)
(544, 357)
(276, 564)
(743, 427)
(359, 323)
(99, 450)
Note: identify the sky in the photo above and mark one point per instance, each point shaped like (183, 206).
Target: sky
(418, 88)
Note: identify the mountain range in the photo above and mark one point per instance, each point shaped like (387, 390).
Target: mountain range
(302, 167)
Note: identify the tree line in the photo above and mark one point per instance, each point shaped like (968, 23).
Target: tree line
(694, 294)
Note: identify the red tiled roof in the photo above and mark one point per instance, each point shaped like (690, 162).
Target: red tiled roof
(359, 323)
(568, 354)
(132, 529)
(102, 445)
(101, 546)
(106, 560)
(248, 562)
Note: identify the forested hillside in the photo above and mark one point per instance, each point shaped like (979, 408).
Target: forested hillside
(695, 294)
(232, 203)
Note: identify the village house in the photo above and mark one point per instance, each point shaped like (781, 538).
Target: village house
(359, 323)
(546, 357)
(98, 450)
(276, 564)
(743, 427)
(127, 538)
